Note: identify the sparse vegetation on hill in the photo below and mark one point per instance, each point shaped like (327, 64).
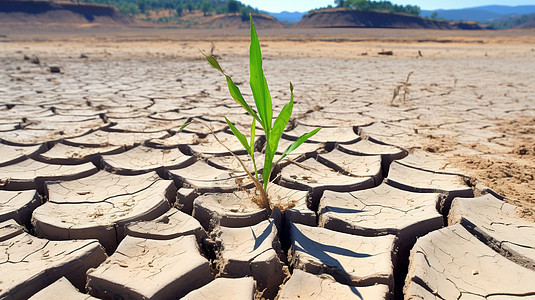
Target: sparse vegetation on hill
(350, 18)
(514, 21)
(46, 14)
(380, 6)
(173, 13)
(176, 8)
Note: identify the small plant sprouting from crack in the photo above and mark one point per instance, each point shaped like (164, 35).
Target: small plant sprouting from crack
(402, 87)
(272, 130)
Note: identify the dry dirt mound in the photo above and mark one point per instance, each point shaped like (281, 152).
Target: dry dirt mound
(355, 18)
(14, 14)
(530, 24)
(198, 19)
(235, 21)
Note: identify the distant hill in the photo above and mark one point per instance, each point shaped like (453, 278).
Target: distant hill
(236, 21)
(285, 16)
(177, 7)
(16, 14)
(342, 18)
(44, 14)
(489, 14)
(480, 14)
(510, 10)
(197, 19)
(513, 21)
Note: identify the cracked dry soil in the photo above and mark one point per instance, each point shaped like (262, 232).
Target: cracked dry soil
(427, 195)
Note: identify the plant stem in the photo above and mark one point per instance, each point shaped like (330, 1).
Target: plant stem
(264, 199)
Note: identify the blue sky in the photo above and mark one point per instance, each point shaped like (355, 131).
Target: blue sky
(306, 5)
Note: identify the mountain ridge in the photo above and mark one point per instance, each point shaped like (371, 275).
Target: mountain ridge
(479, 13)
(287, 16)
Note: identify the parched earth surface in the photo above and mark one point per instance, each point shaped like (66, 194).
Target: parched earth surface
(419, 185)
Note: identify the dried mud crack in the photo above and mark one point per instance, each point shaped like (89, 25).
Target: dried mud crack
(101, 196)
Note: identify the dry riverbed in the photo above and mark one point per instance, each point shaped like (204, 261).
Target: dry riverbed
(97, 141)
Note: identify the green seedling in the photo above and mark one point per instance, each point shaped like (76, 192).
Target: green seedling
(263, 116)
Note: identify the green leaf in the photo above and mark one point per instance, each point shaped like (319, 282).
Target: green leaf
(299, 141)
(183, 126)
(253, 136)
(239, 136)
(213, 62)
(266, 171)
(232, 87)
(253, 128)
(238, 97)
(274, 138)
(258, 82)
(281, 122)
(276, 133)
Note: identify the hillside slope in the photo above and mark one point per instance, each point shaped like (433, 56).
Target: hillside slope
(340, 18)
(16, 14)
(514, 21)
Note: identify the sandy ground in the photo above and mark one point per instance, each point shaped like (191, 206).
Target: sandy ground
(470, 96)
